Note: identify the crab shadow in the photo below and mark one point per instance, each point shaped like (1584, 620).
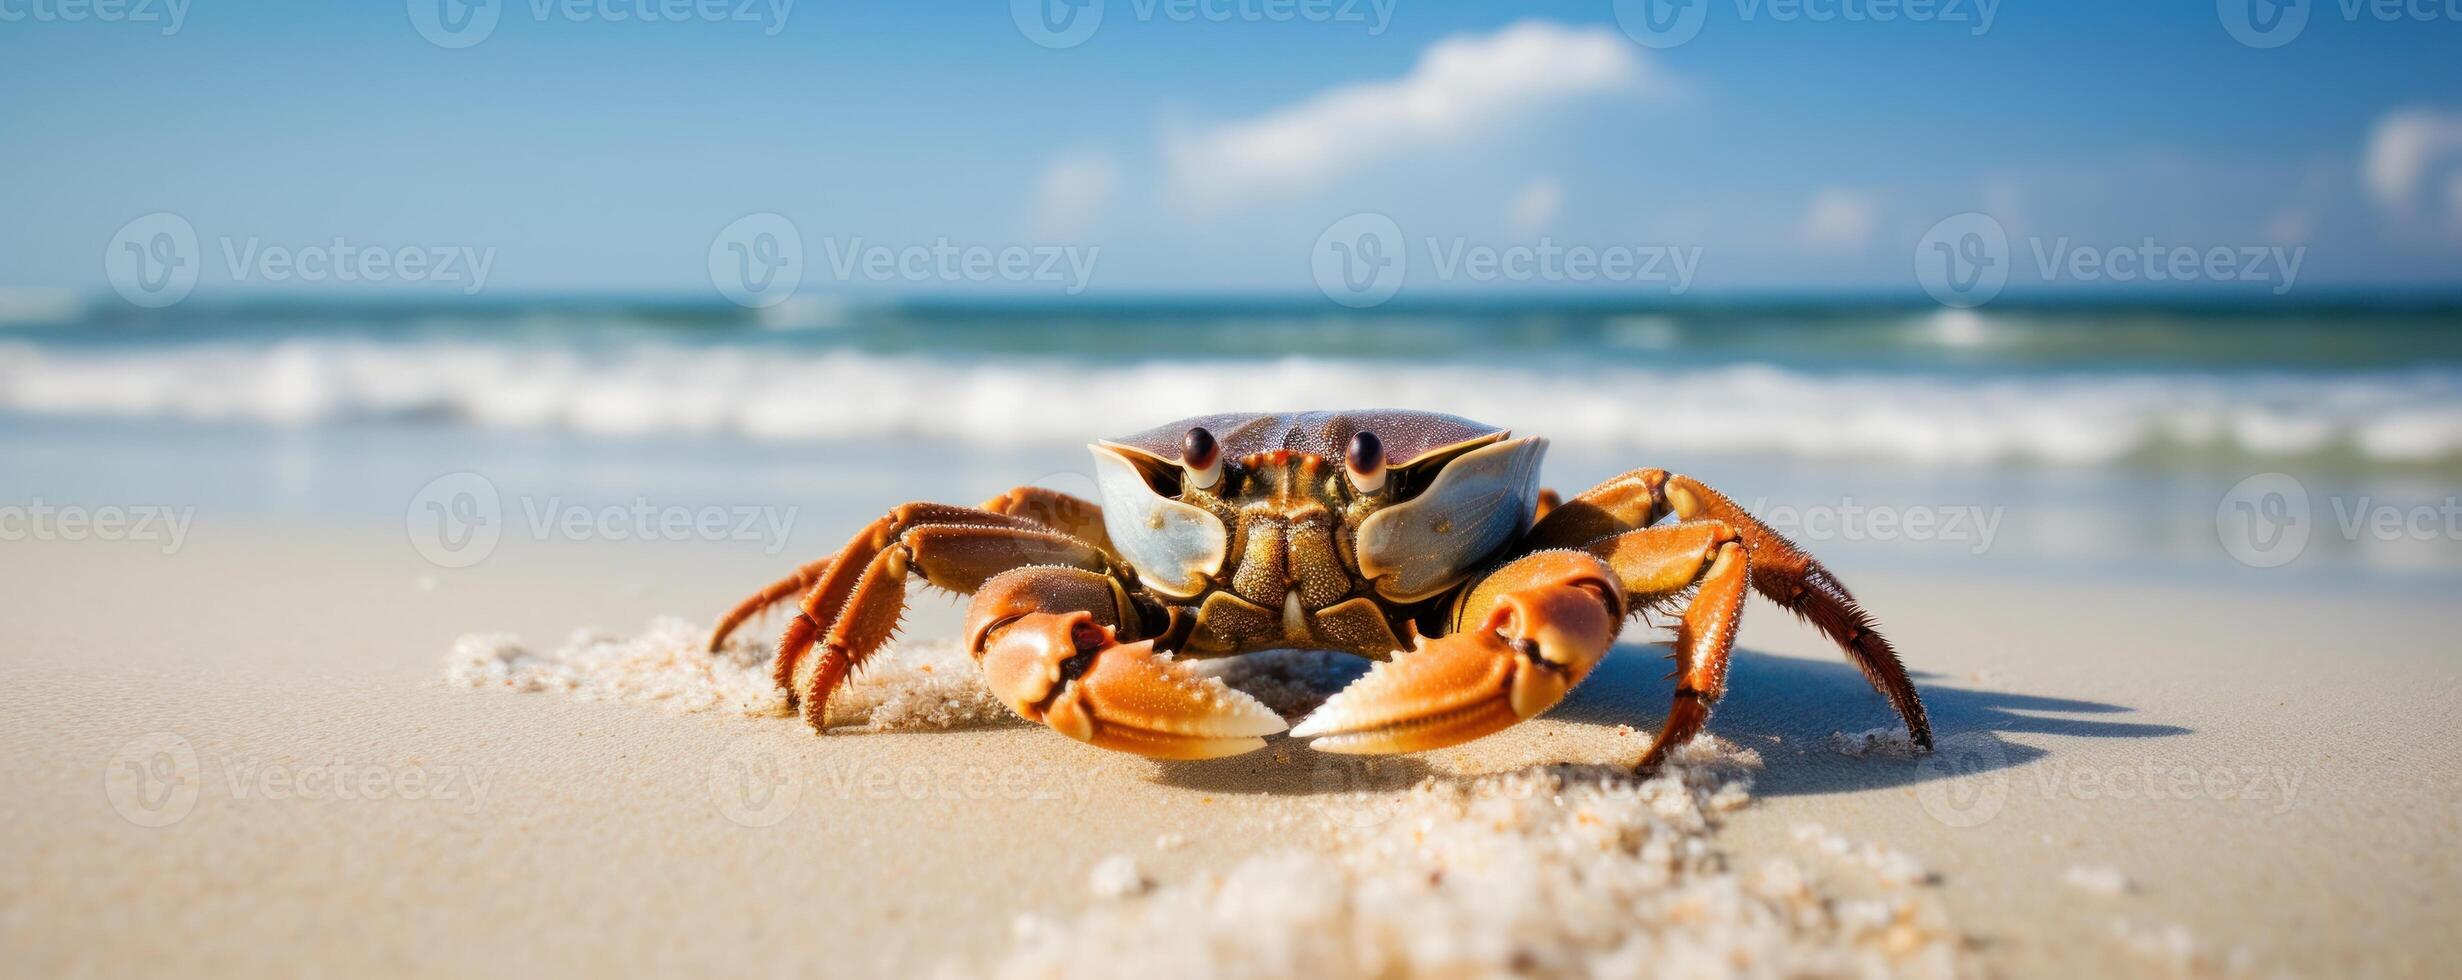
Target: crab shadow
(1789, 709)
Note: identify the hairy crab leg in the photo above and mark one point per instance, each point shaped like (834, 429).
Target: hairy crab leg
(1521, 638)
(1782, 572)
(1038, 506)
(1662, 562)
(824, 601)
(1049, 643)
(1073, 516)
(953, 556)
(770, 595)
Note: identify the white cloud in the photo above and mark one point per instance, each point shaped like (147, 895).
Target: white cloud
(1073, 190)
(1461, 89)
(1535, 205)
(1839, 221)
(2415, 157)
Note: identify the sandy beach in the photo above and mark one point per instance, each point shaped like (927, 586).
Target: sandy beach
(246, 757)
(392, 398)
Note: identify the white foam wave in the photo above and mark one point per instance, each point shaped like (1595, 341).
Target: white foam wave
(2393, 416)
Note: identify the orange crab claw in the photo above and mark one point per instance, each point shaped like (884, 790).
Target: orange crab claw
(1533, 647)
(1068, 672)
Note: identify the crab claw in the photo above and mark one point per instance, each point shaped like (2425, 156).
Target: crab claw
(1068, 672)
(1535, 645)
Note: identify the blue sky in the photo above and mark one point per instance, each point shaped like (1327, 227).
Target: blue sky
(1205, 155)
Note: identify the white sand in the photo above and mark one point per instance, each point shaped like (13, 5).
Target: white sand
(909, 687)
(1555, 872)
(240, 760)
(1558, 871)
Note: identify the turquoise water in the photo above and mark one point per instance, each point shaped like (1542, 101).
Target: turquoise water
(2107, 441)
(2345, 386)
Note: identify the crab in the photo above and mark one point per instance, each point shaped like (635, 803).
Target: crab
(1420, 541)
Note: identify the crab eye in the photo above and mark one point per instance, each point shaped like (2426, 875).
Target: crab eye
(1201, 458)
(1365, 462)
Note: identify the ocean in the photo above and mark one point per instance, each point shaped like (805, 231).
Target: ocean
(2103, 438)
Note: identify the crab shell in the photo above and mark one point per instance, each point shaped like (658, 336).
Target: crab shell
(1482, 496)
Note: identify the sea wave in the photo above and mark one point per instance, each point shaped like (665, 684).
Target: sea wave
(2390, 416)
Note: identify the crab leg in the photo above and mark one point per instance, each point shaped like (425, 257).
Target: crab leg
(851, 624)
(1526, 635)
(1072, 516)
(771, 595)
(1039, 506)
(1521, 638)
(1660, 563)
(1781, 572)
(1049, 642)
